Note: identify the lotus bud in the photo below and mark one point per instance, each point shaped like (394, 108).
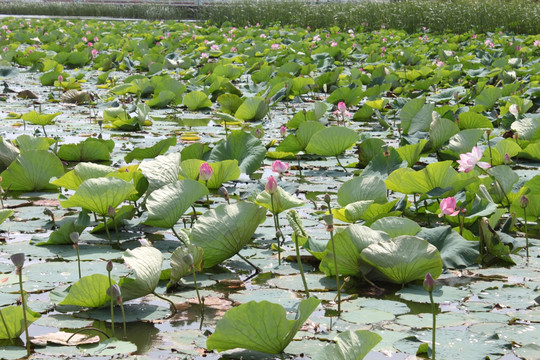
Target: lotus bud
(205, 172)
(115, 293)
(347, 279)
(429, 283)
(48, 212)
(524, 202)
(74, 236)
(111, 212)
(279, 166)
(327, 199)
(60, 78)
(283, 131)
(18, 260)
(223, 192)
(507, 159)
(514, 110)
(342, 107)
(188, 259)
(109, 266)
(258, 133)
(278, 233)
(271, 185)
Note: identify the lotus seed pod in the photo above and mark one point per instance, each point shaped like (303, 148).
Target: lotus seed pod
(74, 236)
(17, 260)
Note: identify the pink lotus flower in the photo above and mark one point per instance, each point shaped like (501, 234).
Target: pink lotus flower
(468, 161)
(283, 131)
(448, 207)
(214, 47)
(205, 172)
(279, 166)
(271, 185)
(60, 78)
(342, 110)
(204, 55)
(536, 43)
(275, 46)
(94, 53)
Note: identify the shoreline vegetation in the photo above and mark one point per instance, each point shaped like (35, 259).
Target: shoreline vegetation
(458, 16)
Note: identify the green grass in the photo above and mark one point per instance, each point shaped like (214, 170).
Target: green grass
(458, 16)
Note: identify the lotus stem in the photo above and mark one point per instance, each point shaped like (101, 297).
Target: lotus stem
(44, 132)
(107, 230)
(88, 328)
(173, 305)
(299, 261)
(257, 270)
(276, 225)
(197, 287)
(178, 236)
(112, 302)
(526, 233)
(434, 328)
(24, 313)
(327, 199)
(340, 164)
(489, 146)
(78, 261)
(123, 319)
(299, 166)
(7, 329)
(194, 213)
(207, 198)
(116, 231)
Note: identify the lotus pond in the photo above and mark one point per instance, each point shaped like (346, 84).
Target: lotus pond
(267, 192)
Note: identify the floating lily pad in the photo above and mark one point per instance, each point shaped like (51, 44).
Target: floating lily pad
(133, 312)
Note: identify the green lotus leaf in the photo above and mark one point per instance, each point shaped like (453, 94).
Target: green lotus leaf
(97, 195)
(380, 166)
(437, 175)
(32, 170)
(369, 148)
(8, 153)
(364, 113)
(61, 235)
(243, 147)
(349, 244)
(38, 118)
(319, 109)
(488, 97)
(224, 171)
(416, 116)
(533, 208)
(159, 148)
(362, 188)
(378, 211)
(259, 326)
(332, 141)
(28, 143)
(506, 178)
(90, 149)
(404, 259)
(224, 231)
(81, 172)
(411, 153)
(464, 141)
(195, 151)
(456, 252)
(161, 99)
(196, 100)
(185, 260)
(503, 147)
(252, 109)
(166, 205)
(350, 96)
(532, 151)
(441, 130)
(350, 346)
(163, 170)
(472, 120)
(395, 226)
(90, 291)
(14, 319)
(229, 103)
(109, 348)
(527, 128)
(281, 201)
(145, 263)
(4, 214)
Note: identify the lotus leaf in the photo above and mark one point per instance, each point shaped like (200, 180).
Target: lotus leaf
(90, 291)
(8, 153)
(527, 128)
(224, 171)
(39, 119)
(224, 231)
(349, 244)
(416, 116)
(411, 153)
(99, 194)
(185, 260)
(299, 141)
(488, 97)
(90, 149)
(350, 345)
(332, 141)
(362, 188)
(395, 226)
(159, 148)
(403, 259)
(252, 109)
(32, 170)
(145, 263)
(61, 235)
(259, 326)
(282, 201)
(441, 130)
(28, 143)
(4, 214)
(167, 204)
(14, 319)
(352, 212)
(471, 120)
(196, 100)
(81, 172)
(240, 146)
(163, 170)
